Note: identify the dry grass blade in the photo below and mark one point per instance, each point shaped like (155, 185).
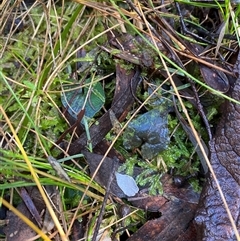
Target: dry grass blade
(35, 177)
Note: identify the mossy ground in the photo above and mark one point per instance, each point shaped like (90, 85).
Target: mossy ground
(38, 60)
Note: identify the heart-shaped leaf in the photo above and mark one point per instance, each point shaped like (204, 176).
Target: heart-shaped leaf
(74, 100)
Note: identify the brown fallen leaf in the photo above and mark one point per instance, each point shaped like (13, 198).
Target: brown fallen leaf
(175, 220)
(103, 174)
(16, 229)
(177, 207)
(212, 218)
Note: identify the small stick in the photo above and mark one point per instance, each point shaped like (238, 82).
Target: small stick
(100, 216)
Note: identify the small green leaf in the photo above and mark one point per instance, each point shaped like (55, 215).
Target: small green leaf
(29, 84)
(74, 100)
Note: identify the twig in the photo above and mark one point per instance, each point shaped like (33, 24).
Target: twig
(100, 216)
